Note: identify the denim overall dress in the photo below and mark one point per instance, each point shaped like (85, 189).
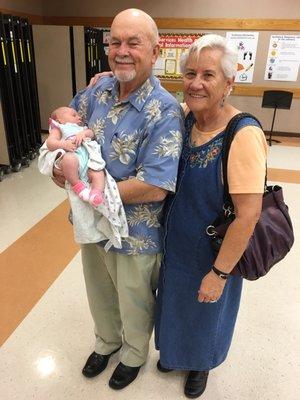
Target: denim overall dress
(192, 335)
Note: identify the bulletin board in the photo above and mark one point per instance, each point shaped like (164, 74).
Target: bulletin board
(172, 47)
(174, 43)
(259, 81)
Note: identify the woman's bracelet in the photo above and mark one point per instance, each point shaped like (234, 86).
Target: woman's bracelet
(221, 274)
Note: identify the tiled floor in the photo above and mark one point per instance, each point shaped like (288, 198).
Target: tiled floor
(47, 331)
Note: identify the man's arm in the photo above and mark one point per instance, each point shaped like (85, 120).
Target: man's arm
(82, 102)
(158, 157)
(133, 191)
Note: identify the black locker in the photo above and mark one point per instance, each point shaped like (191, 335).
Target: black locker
(15, 72)
(30, 59)
(8, 101)
(26, 107)
(95, 54)
(18, 90)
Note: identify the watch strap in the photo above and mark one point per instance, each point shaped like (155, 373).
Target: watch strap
(221, 274)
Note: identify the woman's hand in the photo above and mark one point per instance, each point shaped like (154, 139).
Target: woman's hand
(211, 288)
(58, 177)
(100, 75)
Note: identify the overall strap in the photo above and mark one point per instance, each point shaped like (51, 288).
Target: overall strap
(188, 123)
(230, 131)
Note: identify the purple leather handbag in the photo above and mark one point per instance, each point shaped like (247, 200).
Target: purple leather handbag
(273, 235)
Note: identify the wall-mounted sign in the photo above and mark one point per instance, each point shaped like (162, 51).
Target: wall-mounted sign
(246, 44)
(283, 58)
(171, 49)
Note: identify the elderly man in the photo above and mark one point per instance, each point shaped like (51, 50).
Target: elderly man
(138, 125)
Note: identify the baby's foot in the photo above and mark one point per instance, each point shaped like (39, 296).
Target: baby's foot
(96, 197)
(81, 190)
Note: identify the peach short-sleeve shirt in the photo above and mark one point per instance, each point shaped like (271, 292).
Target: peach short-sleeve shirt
(247, 159)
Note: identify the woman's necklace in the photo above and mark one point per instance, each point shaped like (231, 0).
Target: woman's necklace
(198, 137)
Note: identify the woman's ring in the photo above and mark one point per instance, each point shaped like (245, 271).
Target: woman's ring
(213, 301)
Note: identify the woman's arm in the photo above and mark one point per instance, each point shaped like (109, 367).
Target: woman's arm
(246, 174)
(98, 76)
(55, 142)
(247, 211)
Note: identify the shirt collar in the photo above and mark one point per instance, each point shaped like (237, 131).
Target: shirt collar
(139, 97)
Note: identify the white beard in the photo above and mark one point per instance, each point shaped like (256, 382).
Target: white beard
(125, 76)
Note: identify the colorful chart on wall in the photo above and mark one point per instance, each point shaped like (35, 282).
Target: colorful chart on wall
(172, 46)
(283, 58)
(246, 44)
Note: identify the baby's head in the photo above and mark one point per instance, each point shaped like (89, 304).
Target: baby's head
(66, 114)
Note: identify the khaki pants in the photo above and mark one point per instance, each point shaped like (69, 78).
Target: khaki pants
(119, 289)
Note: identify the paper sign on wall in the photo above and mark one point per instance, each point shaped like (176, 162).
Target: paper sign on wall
(172, 46)
(246, 44)
(283, 58)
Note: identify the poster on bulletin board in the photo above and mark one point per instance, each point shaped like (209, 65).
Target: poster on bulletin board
(283, 58)
(246, 44)
(172, 46)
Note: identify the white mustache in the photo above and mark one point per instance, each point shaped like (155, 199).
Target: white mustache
(124, 60)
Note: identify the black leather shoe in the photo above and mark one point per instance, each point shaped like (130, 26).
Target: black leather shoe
(123, 376)
(195, 383)
(96, 363)
(161, 368)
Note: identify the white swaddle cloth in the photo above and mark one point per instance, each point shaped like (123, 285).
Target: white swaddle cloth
(91, 225)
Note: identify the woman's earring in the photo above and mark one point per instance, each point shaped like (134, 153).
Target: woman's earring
(222, 102)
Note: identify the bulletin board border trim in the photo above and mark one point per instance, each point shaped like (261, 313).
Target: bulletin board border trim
(238, 90)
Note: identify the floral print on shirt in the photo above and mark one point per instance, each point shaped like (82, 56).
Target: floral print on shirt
(202, 157)
(140, 138)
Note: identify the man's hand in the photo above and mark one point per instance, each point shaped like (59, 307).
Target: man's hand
(58, 177)
(100, 75)
(79, 138)
(69, 145)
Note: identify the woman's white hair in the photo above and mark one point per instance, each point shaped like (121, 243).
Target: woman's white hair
(212, 41)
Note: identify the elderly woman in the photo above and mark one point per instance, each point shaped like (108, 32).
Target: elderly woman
(198, 299)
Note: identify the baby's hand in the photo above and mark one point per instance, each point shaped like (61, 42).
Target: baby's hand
(69, 145)
(79, 138)
(89, 133)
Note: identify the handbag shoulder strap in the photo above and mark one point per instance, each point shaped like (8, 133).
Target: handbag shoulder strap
(230, 131)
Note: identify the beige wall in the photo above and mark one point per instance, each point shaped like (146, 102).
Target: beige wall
(4, 157)
(53, 68)
(79, 50)
(285, 121)
(25, 6)
(60, 73)
(177, 8)
(161, 8)
(279, 9)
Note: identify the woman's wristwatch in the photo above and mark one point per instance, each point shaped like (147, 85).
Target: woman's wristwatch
(221, 274)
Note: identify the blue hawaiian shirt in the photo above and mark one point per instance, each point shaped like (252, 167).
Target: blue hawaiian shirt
(140, 137)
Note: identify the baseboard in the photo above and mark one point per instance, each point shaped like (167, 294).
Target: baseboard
(284, 134)
(267, 133)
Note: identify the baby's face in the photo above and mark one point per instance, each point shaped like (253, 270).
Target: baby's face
(69, 115)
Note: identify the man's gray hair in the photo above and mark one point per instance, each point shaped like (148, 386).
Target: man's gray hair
(212, 41)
